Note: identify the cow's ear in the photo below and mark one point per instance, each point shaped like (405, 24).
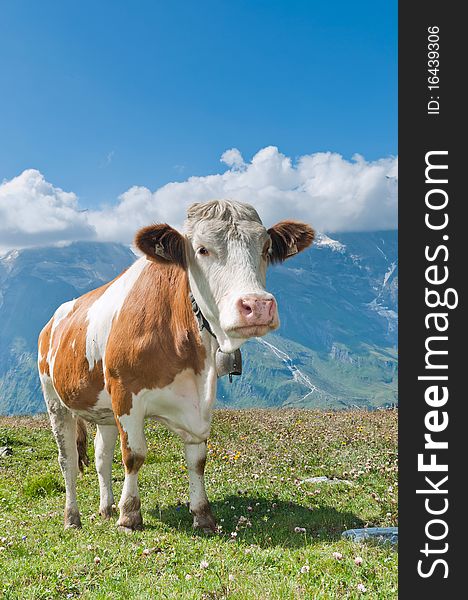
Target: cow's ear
(162, 243)
(289, 238)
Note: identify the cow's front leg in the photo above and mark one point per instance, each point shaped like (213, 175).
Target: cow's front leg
(195, 455)
(134, 450)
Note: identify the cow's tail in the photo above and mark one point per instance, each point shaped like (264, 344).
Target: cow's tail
(81, 444)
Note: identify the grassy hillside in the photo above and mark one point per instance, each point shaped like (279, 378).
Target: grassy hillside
(257, 462)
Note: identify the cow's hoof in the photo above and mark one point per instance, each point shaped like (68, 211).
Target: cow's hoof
(205, 521)
(72, 519)
(130, 514)
(107, 512)
(130, 522)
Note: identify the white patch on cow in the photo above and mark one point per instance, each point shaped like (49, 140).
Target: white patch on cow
(195, 454)
(130, 488)
(73, 344)
(184, 406)
(46, 383)
(61, 313)
(106, 308)
(50, 393)
(134, 424)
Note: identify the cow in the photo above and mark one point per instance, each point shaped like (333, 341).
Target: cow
(135, 347)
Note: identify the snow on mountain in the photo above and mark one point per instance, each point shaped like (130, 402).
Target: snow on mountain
(323, 241)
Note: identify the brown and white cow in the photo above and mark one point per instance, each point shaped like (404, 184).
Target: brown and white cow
(133, 348)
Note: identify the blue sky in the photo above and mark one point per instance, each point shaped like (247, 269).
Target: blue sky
(100, 96)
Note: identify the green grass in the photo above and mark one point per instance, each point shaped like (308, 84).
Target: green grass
(257, 462)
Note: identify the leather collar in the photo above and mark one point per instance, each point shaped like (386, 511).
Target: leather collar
(202, 322)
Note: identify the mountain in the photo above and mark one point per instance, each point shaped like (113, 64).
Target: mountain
(336, 346)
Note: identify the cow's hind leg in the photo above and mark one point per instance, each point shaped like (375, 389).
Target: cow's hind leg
(64, 427)
(134, 450)
(104, 447)
(195, 455)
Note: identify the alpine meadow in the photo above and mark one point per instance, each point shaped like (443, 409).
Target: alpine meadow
(279, 535)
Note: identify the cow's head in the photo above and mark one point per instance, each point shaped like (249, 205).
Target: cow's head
(226, 250)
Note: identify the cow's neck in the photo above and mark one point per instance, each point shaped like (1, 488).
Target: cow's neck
(227, 363)
(203, 323)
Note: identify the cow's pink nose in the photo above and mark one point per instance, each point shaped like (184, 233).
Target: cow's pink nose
(256, 311)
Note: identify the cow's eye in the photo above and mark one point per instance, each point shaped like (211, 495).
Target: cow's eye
(266, 251)
(203, 251)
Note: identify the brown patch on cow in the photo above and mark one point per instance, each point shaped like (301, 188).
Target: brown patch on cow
(43, 348)
(155, 337)
(289, 238)
(132, 460)
(121, 397)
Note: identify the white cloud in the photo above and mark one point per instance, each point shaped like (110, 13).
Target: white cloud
(34, 212)
(324, 189)
(232, 158)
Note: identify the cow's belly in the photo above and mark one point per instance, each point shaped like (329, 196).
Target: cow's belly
(185, 406)
(101, 413)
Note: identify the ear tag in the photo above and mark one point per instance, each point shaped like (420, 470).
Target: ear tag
(159, 251)
(292, 249)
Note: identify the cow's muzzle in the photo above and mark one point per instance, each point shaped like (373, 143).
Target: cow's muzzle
(256, 315)
(255, 311)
